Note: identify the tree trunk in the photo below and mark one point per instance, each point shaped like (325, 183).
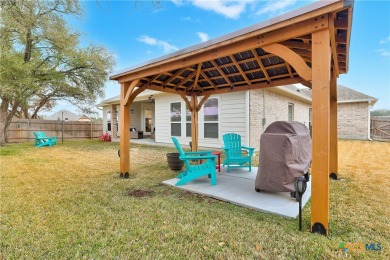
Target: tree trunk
(28, 48)
(5, 119)
(3, 123)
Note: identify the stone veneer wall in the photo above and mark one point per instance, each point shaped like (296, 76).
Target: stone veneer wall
(275, 108)
(114, 121)
(352, 120)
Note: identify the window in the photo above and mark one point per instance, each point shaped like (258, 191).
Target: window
(188, 122)
(290, 112)
(211, 118)
(176, 119)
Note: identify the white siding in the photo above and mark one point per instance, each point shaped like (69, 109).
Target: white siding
(232, 118)
(233, 115)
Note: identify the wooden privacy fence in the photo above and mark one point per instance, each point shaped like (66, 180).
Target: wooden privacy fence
(380, 128)
(21, 130)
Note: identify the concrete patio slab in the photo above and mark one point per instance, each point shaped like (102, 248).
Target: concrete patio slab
(238, 187)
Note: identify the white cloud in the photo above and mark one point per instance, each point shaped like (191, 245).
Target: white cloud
(159, 43)
(177, 2)
(204, 37)
(384, 52)
(148, 40)
(275, 6)
(229, 8)
(385, 40)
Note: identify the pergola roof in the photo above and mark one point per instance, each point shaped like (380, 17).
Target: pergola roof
(247, 59)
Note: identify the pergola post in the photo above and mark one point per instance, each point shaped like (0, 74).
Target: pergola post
(127, 96)
(124, 133)
(194, 123)
(333, 128)
(321, 69)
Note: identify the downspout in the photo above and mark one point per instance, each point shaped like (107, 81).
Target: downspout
(264, 120)
(247, 118)
(369, 122)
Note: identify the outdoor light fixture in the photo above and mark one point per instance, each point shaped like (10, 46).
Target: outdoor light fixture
(300, 188)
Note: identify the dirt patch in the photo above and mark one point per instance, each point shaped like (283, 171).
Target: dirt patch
(198, 197)
(140, 193)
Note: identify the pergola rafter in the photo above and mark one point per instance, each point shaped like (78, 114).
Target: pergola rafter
(308, 46)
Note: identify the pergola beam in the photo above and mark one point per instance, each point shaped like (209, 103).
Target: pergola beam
(242, 73)
(129, 91)
(261, 65)
(333, 45)
(205, 97)
(188, 103)
(292, 58)
(137, 92)
(195, 85)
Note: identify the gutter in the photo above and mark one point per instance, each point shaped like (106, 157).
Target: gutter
(369, 124)
(371, 102)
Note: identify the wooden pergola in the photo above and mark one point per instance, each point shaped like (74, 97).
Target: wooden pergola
(308, 46)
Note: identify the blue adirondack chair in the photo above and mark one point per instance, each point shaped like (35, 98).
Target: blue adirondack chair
(233, 150)
(40, 141)
(192, 172)
(52, 138)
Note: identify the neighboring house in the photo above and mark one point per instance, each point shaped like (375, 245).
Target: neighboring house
(353, 113)
(67, 115)
(247, 113)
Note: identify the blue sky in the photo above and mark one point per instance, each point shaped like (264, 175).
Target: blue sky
(137, 31)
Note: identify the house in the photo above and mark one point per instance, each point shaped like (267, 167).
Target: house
(353, 113)
(67, 115)
(247, 113)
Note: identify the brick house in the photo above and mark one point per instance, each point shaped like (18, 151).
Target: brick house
(353, 113)
(247, 113)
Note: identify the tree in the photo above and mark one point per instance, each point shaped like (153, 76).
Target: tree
(41, 60)
(380, 112)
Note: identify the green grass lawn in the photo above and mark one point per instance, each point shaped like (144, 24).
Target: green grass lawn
(69, 202)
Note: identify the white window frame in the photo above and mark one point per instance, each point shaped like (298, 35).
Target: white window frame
(175, 122)
(213, 122)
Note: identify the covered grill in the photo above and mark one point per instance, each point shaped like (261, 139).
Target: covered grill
(285, 154)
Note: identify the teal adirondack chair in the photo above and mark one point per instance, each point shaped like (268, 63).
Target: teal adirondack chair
(52, 138)
(207, 167)
(40, 141)
(233, 150)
